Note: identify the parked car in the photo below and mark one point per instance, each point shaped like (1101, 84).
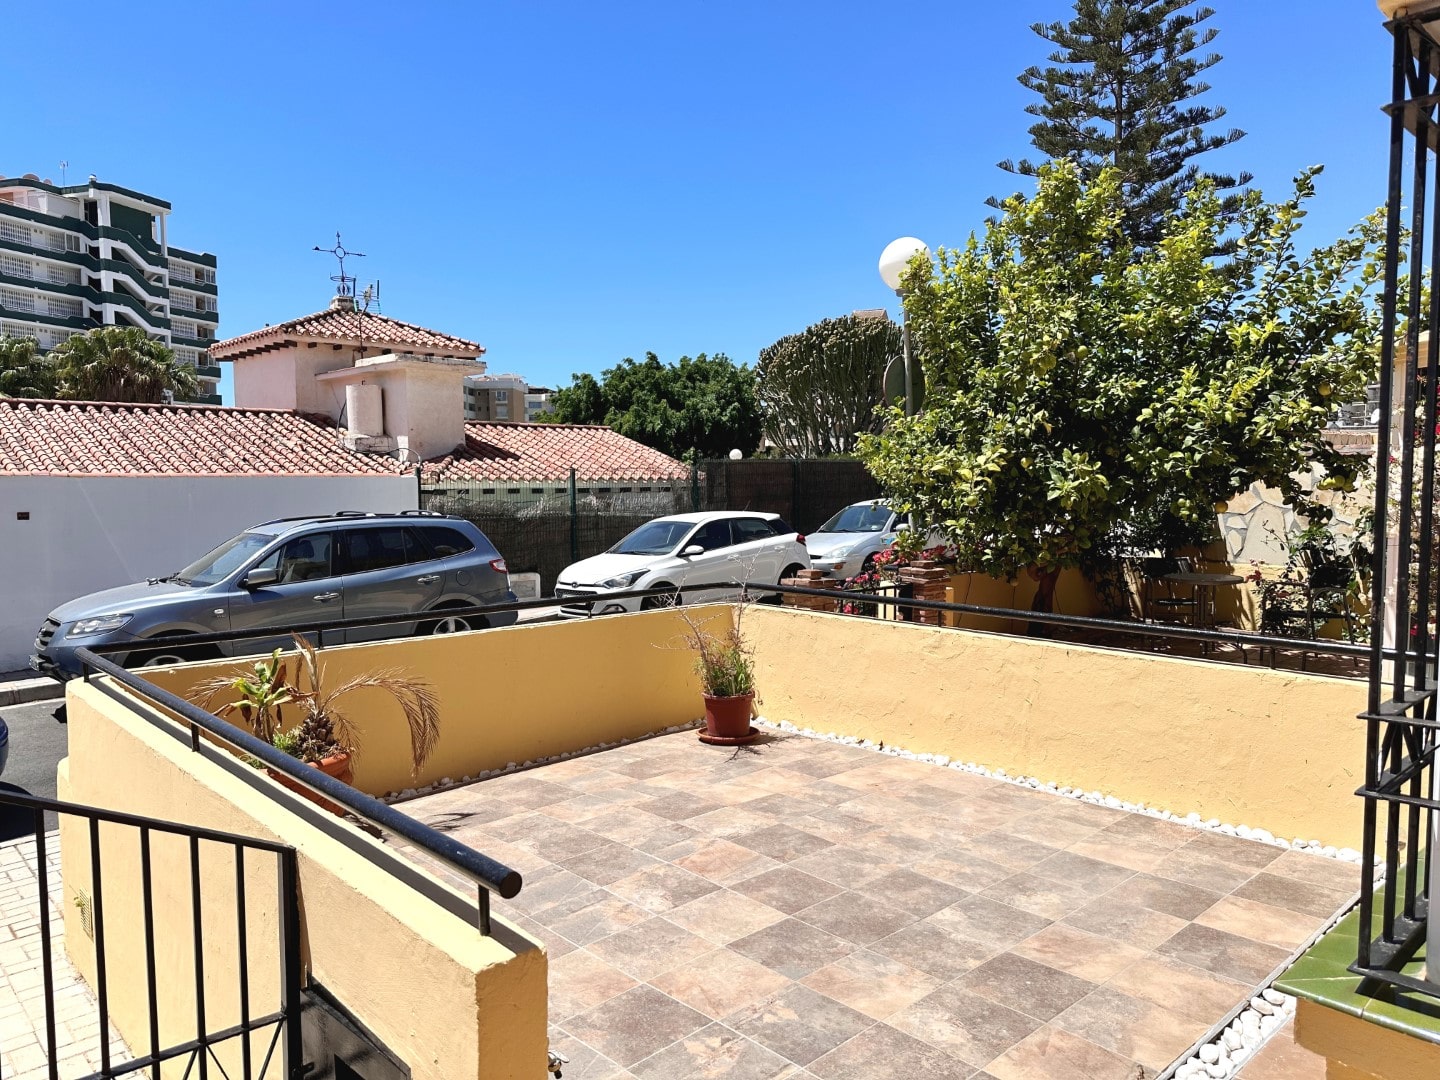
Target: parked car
(289, 572)
(846, 545)
(681, 552)
(4, 745)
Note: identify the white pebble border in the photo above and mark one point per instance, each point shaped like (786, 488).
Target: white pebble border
(1192, 820)
(1262, 1017)
(446, 782)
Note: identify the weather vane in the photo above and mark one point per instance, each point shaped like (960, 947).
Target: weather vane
(344, 284)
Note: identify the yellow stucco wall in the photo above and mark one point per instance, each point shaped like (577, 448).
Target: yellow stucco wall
(1357, 1049)
(1270, 749)
(448, 1001)
(1074, 595)
(517, 694)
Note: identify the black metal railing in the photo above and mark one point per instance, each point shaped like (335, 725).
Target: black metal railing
(280, 1022)
(1400, 715)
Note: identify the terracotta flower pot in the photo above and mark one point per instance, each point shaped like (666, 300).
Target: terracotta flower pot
(727, 719)
(337, 766)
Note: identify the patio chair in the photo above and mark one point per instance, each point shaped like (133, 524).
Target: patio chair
(1160, 597)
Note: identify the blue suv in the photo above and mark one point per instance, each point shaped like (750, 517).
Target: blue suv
(289, 572)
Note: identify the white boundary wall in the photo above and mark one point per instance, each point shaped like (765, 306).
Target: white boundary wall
(86, 533)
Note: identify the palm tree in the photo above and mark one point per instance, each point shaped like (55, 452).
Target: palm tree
(119, 363)
(24, 371)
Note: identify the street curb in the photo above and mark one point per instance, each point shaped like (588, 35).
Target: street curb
(23, 691)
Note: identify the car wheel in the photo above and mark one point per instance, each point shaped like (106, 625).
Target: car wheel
(172, 654)
(664, 600)
(450, 624)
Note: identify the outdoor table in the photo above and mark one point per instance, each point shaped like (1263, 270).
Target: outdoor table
(1204, 586)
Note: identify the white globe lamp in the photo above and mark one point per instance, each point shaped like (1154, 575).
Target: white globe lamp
(736, 455)
(895, 259)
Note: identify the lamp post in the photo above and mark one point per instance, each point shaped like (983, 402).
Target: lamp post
(894, 261)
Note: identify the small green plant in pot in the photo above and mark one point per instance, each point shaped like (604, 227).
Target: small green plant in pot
(726, 667)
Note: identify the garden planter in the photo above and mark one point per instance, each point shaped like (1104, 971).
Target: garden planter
(337, 766)
(727, 720)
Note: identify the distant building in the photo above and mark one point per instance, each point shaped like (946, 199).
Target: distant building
(87, 255)
(505, 398)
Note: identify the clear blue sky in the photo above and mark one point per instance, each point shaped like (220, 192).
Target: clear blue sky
(571, 183)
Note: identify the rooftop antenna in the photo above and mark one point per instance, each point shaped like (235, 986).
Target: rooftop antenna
(371, 295)
(63, 166)
(344, 283)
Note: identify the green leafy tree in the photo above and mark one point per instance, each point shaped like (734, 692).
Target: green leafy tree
(1083, 394)
(700, 407)
(819, 389)
(119, 363)
(1120, 94)
(24, 371)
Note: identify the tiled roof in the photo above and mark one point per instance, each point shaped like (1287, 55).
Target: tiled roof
(342, 327)
(547, 452)
(88, 438)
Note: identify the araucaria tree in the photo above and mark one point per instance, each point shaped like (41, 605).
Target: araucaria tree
(819, 388)
(1120, 93)
(700, 407)
(1086, 395)
(120, 363)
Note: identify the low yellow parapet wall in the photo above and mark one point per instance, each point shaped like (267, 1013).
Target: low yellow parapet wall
(513, 695)
(449, 1002)
(1271, 749)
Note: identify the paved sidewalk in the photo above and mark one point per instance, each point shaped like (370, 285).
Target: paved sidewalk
(22, 995)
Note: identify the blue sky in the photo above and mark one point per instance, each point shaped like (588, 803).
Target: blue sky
(572, 183)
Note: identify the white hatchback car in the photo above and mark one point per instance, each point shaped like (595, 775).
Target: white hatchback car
(681, 552)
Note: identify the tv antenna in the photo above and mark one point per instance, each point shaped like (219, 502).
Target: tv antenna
(370, 295)
(344, 283)
(63, 166)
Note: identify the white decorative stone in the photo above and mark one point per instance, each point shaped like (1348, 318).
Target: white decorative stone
(1231, 1038)
(1209, 1053)
(1261, 1006)
(1273, 996)
(1218, 1071)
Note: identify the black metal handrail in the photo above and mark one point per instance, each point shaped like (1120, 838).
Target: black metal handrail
(1091, 622)
(495, 876)
(321, 627)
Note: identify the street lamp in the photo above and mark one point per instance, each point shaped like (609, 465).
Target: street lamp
(894, 261)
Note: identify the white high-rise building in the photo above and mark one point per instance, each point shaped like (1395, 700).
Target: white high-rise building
(94, 254)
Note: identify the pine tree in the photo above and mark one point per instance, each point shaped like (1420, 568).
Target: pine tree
(1121, 93)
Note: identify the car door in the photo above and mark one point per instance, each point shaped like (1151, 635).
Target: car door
(757, 555)
(712, 565)
(385, 570)
(306, 590)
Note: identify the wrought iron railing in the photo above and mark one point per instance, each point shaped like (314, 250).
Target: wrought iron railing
(1400, 716)
(280, 1022)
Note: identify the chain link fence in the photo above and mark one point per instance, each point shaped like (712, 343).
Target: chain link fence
(542, 527)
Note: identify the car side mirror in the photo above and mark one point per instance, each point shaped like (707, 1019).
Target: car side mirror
(693, 549)
(259, 578)
(903, 526)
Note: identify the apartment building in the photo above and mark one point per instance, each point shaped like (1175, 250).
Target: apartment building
(76, 257)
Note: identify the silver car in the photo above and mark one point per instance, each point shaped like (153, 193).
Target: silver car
(290, 572)
(846, 544)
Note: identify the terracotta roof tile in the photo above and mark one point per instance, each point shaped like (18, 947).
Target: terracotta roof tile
(547, 452)
(84, 438)
(348, 328)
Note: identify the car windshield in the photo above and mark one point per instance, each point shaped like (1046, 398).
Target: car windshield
(861, 518)
(224, 560)
(653, 538)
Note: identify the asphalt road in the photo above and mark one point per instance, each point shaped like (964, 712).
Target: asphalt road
(38, 740)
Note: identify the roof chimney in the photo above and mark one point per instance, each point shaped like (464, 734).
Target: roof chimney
(342, 302)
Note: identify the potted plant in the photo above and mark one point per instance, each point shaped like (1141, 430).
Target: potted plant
(323, 737)
(727, 680)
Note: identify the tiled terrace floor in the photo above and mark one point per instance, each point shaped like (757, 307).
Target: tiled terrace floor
(802, 909)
